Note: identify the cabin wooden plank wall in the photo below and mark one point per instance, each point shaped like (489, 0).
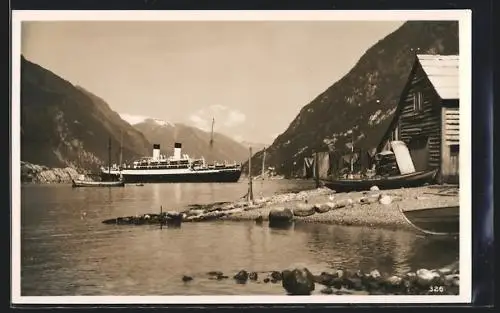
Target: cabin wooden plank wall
(420, 128)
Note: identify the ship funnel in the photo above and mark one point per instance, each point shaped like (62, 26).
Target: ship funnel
(156, 152)
(177, 150)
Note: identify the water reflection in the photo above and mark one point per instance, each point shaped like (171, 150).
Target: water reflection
(389, 251)
(63, 254)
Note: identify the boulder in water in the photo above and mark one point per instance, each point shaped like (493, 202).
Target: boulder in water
(327, 291)
(241, 277)
(280, 217)
(259, 220)
(276, 275)
(325, 279)
(186, 278)
(374, 188)
(298, 281)
(253, 276)
(425, 278)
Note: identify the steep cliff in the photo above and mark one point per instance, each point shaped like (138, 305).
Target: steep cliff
(360, 105)
(63, 125)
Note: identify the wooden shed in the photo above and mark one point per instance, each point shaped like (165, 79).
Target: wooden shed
(427, 117)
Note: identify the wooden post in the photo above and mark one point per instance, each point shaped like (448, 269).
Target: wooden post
(250, 189)
(263, 162)
(161, 217)
(316, 168)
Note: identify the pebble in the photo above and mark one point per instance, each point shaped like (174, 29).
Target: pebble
(186, 278)
(385, 199)
(253, 276)
(375, 274)
(327, 291)
(425, 277)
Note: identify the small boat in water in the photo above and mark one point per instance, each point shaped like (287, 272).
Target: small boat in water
(434, 221)
(83, 181)
(390, 182)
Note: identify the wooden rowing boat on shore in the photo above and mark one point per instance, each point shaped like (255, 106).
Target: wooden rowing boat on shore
(86, 183)
(392, 182)
(434, 221)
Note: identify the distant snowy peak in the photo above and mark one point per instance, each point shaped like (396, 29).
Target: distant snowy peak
(136, 119)
(160, 122)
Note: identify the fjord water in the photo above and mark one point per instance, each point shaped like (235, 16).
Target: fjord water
(66, 250)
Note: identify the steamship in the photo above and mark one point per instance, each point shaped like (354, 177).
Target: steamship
(177, 168)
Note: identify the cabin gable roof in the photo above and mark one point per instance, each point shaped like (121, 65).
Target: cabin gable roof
(442, 71)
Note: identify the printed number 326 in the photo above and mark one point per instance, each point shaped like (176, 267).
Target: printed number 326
(436, 289)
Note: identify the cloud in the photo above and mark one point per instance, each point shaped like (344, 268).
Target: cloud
(234, 118)
(218, 107)
(199, 122)
(223, 115)
(238, 138)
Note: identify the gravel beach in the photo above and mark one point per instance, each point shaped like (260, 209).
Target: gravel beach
(354, 208)
(373, 208)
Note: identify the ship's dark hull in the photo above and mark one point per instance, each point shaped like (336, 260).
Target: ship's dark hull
(200, 177)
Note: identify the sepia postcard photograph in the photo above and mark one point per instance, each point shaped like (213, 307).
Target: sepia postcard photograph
(189, 157)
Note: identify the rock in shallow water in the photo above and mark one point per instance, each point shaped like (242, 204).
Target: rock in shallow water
(186, 278)
(253, 276)
(276, 275)
(241, 277)
(425, 278)
(280, 217)
(327, 291)
(298, 281)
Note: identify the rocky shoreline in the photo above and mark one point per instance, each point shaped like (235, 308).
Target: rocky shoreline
(39, 174)
(300, 281)
(372, 208)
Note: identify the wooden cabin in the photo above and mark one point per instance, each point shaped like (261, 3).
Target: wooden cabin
(427, 117)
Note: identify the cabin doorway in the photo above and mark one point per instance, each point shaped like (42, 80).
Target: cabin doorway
(454, 164)
(419, 151)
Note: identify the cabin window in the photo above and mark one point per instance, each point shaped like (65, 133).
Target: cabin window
(417, 101)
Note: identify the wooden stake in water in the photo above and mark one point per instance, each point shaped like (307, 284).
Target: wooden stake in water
(250, 189)
(161, 217)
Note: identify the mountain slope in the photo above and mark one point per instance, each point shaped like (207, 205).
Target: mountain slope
(364, 100)
(64, 125)
(195, 142)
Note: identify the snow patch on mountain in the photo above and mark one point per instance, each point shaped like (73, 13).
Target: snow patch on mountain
(136, 119)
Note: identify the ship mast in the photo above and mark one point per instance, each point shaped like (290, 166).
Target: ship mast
(212, 134)
(121, 150)
(109, 156)
(211, 142)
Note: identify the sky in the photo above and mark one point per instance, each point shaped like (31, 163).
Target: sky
(253, 77)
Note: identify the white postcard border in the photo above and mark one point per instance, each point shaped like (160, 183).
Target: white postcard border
(465, 56)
